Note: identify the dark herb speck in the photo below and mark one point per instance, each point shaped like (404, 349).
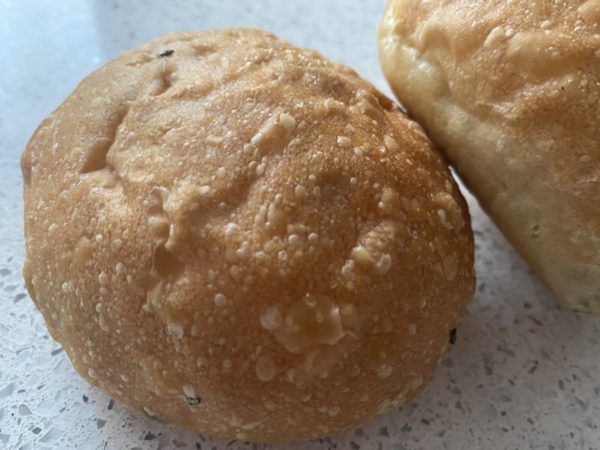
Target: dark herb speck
(166, 53)
(453, 336)
(85, 398)
(111, 404)
(193, 400)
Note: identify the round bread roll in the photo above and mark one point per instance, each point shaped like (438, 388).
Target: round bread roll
(510, 91)
(244, 239)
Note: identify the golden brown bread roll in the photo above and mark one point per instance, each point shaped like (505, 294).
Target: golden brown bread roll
(242, 238)
(510, 90)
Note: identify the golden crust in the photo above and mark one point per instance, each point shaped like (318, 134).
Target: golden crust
(235, 235)
(510, 91)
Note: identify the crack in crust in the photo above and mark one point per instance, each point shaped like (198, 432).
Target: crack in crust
(96, 156)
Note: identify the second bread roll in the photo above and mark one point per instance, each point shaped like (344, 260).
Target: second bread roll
(511, 92)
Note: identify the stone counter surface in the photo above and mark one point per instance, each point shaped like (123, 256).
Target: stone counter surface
(523, 374)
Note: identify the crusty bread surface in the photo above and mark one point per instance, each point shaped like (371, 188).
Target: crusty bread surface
(239, 237)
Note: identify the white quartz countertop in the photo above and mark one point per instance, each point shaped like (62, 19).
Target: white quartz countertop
(523, 374)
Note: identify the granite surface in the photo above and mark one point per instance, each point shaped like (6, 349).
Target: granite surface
(523, 374)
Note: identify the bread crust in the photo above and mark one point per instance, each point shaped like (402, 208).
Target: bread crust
(510, 92)
(244, 239)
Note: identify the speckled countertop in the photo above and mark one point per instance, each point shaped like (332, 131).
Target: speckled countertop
(523, 374)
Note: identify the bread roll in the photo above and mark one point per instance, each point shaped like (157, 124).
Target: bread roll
(244, 239)
(510, 91)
